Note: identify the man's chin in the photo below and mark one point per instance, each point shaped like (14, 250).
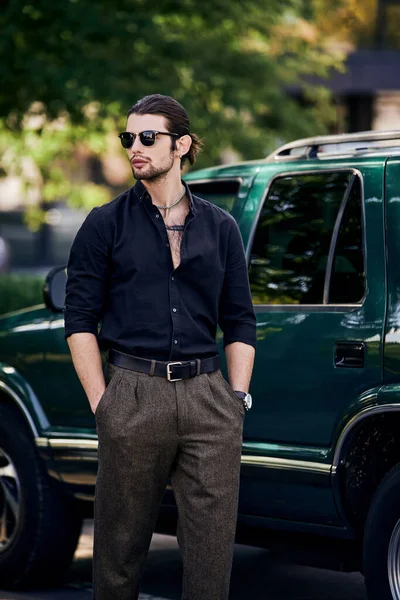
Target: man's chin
(139, 174)
(149, 174)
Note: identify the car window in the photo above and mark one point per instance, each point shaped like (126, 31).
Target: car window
(223, 193)
(347, 284)
(290, 250)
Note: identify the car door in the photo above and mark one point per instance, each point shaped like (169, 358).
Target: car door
(319, 298)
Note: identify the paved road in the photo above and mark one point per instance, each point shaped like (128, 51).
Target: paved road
(256, 576)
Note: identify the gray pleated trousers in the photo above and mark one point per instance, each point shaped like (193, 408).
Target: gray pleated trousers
(150, 429)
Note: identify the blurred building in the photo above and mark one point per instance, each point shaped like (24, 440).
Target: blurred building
(368, 93)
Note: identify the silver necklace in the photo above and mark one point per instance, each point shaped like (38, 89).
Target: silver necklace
(171, 205)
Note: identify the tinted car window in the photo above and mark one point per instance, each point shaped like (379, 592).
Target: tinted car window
(347, 285)
(222, 193)
(291, 245)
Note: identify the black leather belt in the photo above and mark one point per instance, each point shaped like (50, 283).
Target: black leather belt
(173, 370)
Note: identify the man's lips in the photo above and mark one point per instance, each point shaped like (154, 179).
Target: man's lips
(138, 162)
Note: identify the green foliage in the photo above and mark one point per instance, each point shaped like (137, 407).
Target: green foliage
(81, 64)
(20, 291)
(44, 157)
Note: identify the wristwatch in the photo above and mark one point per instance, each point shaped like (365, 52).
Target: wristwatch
(247, 399)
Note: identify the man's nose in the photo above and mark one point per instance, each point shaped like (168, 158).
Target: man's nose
(137, 144)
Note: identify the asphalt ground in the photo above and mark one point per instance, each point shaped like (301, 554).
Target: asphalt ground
(256, 575)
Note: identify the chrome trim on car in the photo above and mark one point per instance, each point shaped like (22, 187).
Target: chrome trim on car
(210, 179)
(251, 460)
(311, 144)
(73, 444)
(271, 462)
(22, 406)
(82, 456)
(42, 442)
(360, 416)
(84, 497)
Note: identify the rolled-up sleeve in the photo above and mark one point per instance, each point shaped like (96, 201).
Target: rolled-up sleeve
(236, 313)
(87, 276)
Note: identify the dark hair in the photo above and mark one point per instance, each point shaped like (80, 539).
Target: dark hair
(177, 120)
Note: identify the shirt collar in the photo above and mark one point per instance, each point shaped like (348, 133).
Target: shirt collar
(142, 194)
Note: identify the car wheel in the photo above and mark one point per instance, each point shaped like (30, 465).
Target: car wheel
(39, 529)
(381, 553)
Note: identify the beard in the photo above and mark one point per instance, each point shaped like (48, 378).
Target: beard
(154, 173)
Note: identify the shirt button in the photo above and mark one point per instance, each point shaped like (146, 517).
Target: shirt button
(174, 310)
(173, 278)
(175, 341)
(167, 245)
(157, 216)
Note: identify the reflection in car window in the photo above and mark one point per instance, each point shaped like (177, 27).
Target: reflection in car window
(222, 193)
(291, 245)
(347, 285)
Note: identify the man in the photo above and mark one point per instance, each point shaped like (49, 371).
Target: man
(160, 268)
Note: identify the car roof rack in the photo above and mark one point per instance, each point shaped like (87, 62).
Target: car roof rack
(346, 144)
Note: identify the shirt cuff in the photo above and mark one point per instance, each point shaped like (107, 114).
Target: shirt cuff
(244, 332)
(79, 321)
(78, 329)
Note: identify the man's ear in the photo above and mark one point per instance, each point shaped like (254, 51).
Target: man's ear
(183, 144)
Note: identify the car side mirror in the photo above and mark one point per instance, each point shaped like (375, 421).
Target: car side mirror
(54, 289)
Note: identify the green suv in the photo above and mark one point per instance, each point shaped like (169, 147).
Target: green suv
(320, 482)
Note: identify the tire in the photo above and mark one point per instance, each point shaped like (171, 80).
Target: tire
(381, 551)
(39, 529)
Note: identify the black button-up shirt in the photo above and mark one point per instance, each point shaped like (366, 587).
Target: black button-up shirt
(120, 273)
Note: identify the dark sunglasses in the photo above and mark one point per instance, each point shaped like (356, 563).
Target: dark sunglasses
(147, 138)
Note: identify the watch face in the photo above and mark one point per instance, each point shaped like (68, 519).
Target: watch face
(248, 401)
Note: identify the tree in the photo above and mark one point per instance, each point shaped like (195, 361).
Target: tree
(73, 69)
(359, 25)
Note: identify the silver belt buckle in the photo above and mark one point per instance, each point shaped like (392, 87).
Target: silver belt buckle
(169, 371)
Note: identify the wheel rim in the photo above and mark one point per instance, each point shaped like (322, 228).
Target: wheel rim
(394, 562)
(10, 501)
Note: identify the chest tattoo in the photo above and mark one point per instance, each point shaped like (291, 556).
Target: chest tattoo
(175, 232)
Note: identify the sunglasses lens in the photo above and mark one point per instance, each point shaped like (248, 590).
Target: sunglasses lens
(127, 139)
(148, 138)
